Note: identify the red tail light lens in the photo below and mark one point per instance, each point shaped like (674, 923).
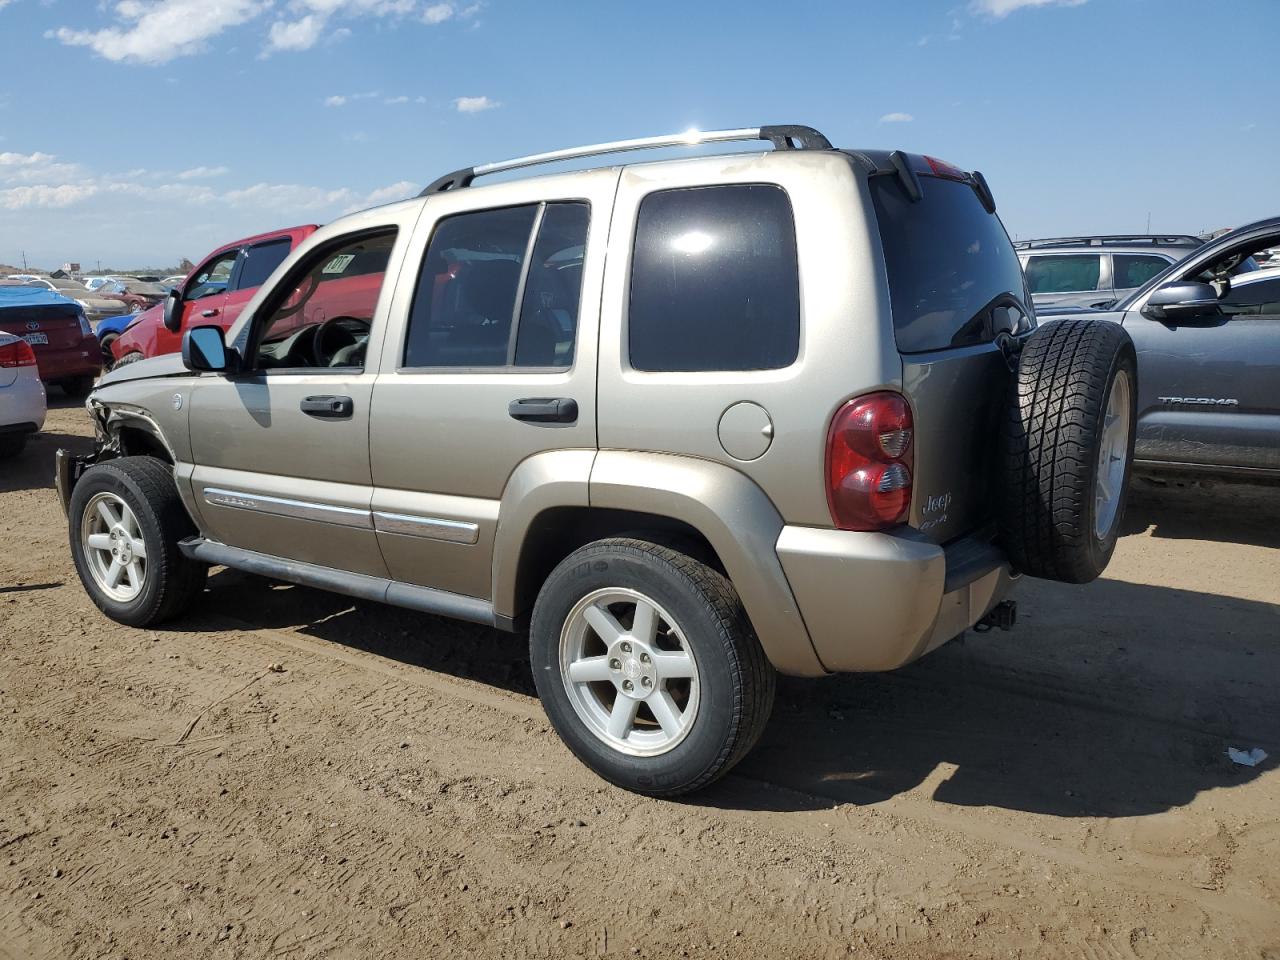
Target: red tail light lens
(17, 354)
(869, 461)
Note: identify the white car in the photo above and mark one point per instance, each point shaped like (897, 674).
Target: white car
(93, 283)
(22, 399)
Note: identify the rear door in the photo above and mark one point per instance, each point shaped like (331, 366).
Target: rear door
(955, 285)
(1207, 390)
(489, 363)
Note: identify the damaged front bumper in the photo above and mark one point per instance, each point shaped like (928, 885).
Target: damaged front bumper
(67, 470)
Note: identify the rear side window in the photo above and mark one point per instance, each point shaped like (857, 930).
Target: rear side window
(714, 281)
(476, 270)
(949, 264)
(260, 261)
(1134, 269)
(1066, 274)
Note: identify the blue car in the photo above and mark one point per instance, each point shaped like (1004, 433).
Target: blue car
(109, 331)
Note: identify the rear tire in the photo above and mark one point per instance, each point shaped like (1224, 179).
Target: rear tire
(143, 520)
(701, 686)
(77, 387)
(1067, 447)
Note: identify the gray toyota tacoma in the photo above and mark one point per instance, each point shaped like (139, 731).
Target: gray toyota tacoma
(689, 423)
(1207, 335)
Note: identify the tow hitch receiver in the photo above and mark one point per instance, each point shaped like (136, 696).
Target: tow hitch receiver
(1003, 615)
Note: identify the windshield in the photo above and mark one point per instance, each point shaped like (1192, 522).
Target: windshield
(953, 274)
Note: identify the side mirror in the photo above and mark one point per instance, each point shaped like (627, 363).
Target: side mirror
(1182, 300)
(173, 310)
(203, 349)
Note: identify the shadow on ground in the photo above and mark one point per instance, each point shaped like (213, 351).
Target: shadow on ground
(1112, 700)
(33, 468)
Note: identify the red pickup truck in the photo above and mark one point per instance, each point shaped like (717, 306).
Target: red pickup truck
(214, 292)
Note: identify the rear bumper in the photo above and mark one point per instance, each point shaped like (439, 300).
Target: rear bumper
(876, 601)
(84, 359)
(22, 404)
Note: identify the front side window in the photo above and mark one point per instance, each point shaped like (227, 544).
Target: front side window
(1072, 273)
(715, 284)
(1134, 269)
(260, 261)
(212, 278)
(488, 298)
(324, 311)
(1259, 298)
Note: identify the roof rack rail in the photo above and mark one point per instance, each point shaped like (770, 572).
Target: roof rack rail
(783, 137)
(1118, 239)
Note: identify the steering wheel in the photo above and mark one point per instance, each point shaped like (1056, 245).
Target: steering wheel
(324, 333)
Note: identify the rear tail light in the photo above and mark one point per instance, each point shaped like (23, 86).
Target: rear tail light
(869, 462)
(17, 354)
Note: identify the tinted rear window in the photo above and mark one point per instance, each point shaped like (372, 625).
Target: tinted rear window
(714, 280)
(1065, 273)
(949, 262)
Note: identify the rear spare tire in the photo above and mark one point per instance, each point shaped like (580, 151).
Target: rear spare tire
(1067, 447)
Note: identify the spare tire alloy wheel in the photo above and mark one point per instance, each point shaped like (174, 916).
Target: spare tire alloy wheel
(634, 687)
(1067, 449)
(1113, 457)
(114, 551)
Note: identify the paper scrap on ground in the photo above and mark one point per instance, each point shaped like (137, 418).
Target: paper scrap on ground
(1247, 758)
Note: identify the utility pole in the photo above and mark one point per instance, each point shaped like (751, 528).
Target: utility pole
(1148, 221)
(24, 261)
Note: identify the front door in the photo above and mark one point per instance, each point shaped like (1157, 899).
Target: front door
(203, 297)
(1207, 388)
(281, 449)
(489, 365)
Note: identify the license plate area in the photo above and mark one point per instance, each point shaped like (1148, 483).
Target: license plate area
(36, 339)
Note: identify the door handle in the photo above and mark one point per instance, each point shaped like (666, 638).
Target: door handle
(212, 312)
(544, 410)
(328, 408)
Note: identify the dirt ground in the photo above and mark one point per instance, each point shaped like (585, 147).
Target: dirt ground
(1058, 791)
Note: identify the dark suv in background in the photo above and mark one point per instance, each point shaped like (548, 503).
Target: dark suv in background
(1096, 271)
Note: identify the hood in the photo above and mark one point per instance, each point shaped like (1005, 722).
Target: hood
(169, 365)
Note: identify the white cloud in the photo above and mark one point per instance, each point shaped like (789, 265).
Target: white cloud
(437, 13)
(202, 173)
(396, 100)
(335, 101)
(474, 104)
(157, 31)
(45, 195)
(299, 35)
(402, 190)
(998, 9)
(897, 118)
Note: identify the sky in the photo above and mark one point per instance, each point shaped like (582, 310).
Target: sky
(138, 132)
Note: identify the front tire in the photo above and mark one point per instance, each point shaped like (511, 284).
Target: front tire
(108, 358)
(647, 666)
(124, 521)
